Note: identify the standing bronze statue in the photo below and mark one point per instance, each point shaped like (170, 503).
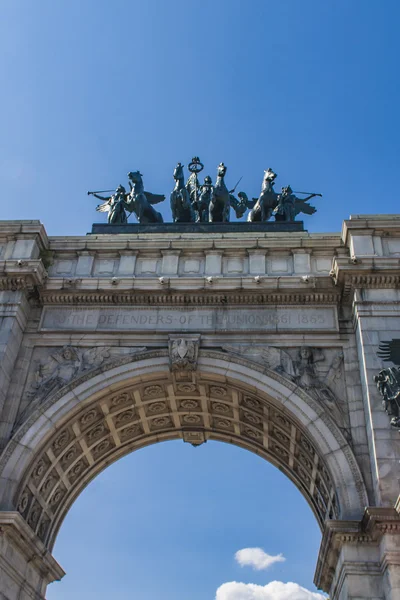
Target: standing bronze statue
(289, 205)
(203, 203)
(114, 205)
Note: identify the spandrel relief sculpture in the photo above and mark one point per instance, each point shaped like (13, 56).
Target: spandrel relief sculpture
(309, 369)
(60, 367)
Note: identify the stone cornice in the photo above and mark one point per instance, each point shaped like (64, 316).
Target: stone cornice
(187, 297)
(375, 523)
(21, 274)
(26, 541)
(381, 272)
(200, 242)
(17, 230)
(370, 224)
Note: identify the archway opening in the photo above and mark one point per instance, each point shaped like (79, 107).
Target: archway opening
(103, 417)
(166, 521)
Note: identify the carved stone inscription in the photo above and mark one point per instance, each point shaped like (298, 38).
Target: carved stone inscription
(278, 318)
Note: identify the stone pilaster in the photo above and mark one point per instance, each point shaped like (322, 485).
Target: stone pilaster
(21, 273)
(26, 566)
(361, 559)
(369, 278)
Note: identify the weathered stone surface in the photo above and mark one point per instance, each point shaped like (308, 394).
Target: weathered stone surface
(277, 319)
(243, 332)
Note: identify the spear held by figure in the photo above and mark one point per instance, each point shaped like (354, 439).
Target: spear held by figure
(308, 194)
(99, 192)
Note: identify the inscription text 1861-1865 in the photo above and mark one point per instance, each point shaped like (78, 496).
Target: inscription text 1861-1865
(170, 319)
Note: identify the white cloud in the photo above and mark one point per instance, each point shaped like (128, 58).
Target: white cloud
(257, 558)
(275, 590)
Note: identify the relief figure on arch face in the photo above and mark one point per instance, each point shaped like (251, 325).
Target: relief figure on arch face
(58, 370)
(304, 367)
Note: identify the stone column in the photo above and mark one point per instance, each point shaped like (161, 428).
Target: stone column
(26, 566)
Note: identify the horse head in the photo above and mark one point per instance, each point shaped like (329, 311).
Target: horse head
(178, 172)
(269, 176)
(221, 170)
(135, 177)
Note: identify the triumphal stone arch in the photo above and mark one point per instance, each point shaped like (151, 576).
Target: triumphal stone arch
(276, 340)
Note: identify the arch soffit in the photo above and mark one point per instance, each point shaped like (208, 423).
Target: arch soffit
(136, 402)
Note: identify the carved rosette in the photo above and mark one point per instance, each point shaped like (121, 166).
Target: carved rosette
(183, 352)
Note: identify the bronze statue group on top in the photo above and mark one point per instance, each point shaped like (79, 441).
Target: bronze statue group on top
(193, 202)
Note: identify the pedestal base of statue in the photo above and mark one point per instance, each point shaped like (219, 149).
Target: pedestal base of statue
(231, 227)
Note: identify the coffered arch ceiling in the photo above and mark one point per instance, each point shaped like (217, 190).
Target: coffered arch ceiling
(113, 412)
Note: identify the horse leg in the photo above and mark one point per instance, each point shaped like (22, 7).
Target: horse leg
(173, 204)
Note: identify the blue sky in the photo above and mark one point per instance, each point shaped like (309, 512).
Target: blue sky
(166, 521)
(92, 89)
